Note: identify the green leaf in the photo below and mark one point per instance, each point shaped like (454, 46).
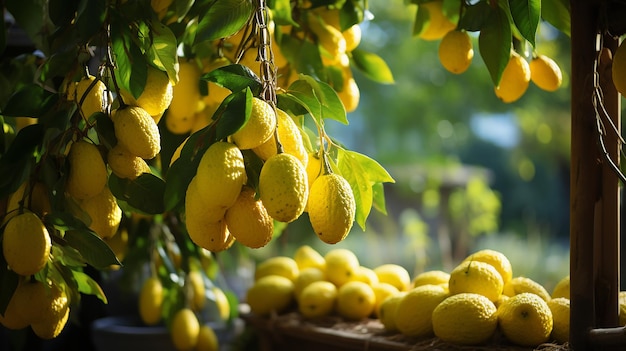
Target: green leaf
(106, 130)
(526, 15)
(58, 64)
(131, 69)
(91, 247)
(305, 55)
(162, 52)
(375, 172)
(318, 98)
(16, 163)
(356, 175)
(495, 43)
(87, 285)
(352, 12)
(223, 18)
(235, 77)
(233, 113)
(90, 18)
(379, 198)
(281, 12)
(146, 193)
(373, 66)
(31, 100)
(556, 12)
(474, 16)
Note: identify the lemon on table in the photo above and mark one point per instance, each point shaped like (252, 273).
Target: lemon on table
(355, 300)
(278, 265)
(270, 293)
(414, 311)
(26, 244)
(185, 329)
(476, 277)
(465, 319)
(341, 266)
(560, 308)
(388, 310)
(317, 299)
(306, 256)
(525, 319)
(495, 258)
(366, 275)
(395, 275)
(561, 289)
(306, 277)
(382, 291)
(434, 277)
(520, 285)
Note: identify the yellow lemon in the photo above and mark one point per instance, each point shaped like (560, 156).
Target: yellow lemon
(525, 319)
(520, 285)
(198, 296)
(313, 168)
(332, 207)
(382, 291)
(618, 70)
(456, 51)
(180, 125)
(395, 275)
(33, 196)
(137, 131)
(259, 127)
(560, 319)
(185, 329)
(90, 96)
(476, 277)
(270, 293)
(104, 213)
(26, 244)
(329, 38)
(317, 299)
(341, 266)
(388, 310)
(221, 174)
(53, 317)
(197, 209)
(366, 275)
(216, 93)
(545, 73)
(495, 258)
(212, 236)
(355, 300)
(352, 36)
(515, 79)
(156, 95)
(290, 138)
(278, 265)
(207, 340)
(306, 256)
(186, 93)
(306, 277)
(248, 221)
(350, 94)
(434, 277)
(151, 301)
(222, 303)
(87, 173)
(437, 24)
(413, 315)
(466, 319)
(13, 318)
(283, 187)
(561, 289)
(126, 165)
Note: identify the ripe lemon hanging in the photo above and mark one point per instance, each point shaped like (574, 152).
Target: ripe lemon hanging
(545, 73)
(437, 24)
(156, 95)
(137, 131)
(515, 79)
(289, 136)
(90, 95)
(248, 221)
(283, 187)
(455, 51)
(26, 244)
(331, 207)
(185, 329)
(259, 127)
(87, 172)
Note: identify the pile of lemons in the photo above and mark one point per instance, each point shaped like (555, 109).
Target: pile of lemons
(465, 306)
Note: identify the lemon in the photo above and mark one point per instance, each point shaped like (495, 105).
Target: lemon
(186, 93)
(104, 212)
(501, 300)
(561, 289)
(306, 277)
(34, 300)
(520, 285)
(560, 318)
(622, 308)
(90, 96)
(137, 131)
(366, 275)
(150, 301)
(33, 196)
(317, 299)
(196, 208)
(248, 221)
(87, 173)
(13, 318)
(350, 94)
(352, 36)
(198, 296)
(126, 165)
(207, 340)
(438, 24)
(382, 291)
(156, 95)
(283, 187)
(258, 128)
(185, 329)
(221, 174)
(290, 138)
(495, 258)
(476, 277)
(515, 79)
(395, 275)
(413, 315)
(466, 319)
(212, 236)
(217, 93)
(270, 293)
(618, 70)
(332, 207)
(525, 319)
(434, 277)
(355, 300)
(278, 265)
(545, 73)
(341, 266)
(26, 244)
(222, 303)
(119, 245)
(329, 38)
(456, 51)
(313, 168)
(388, 310)
(180, 125)
(53, 317)
(306, 256)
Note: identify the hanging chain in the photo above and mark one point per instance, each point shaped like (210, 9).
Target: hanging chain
(266, 56)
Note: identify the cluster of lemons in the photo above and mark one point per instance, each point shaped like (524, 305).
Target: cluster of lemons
(186, 331)
(465, 306)
(456, 53)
